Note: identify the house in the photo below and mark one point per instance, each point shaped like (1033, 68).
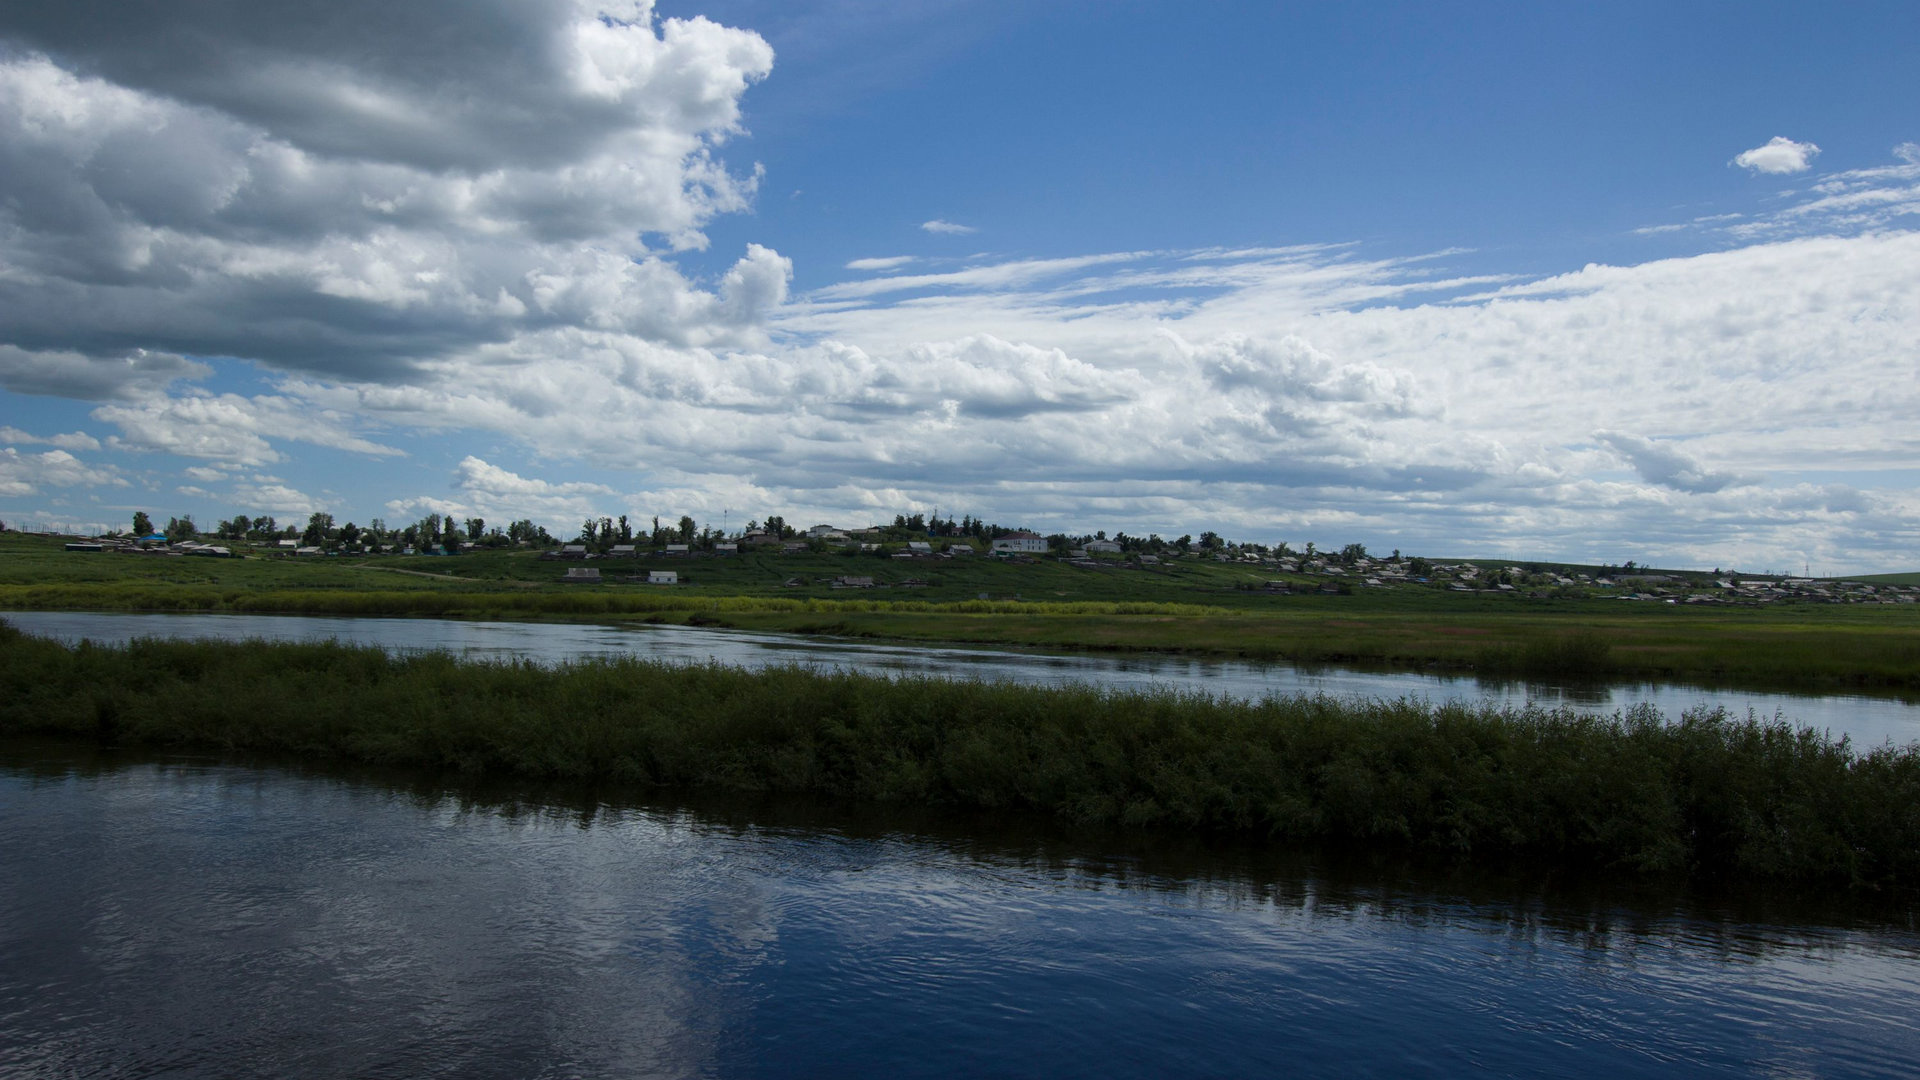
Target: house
(1023, 543)
(1103, 547)
(726, 549)
(573, 551)
(586, 574)
(663, 577)
(679, 549)
(848, 581)
(621, 551)
(919, 547)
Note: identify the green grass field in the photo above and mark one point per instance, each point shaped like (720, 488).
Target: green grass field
(1191, 606)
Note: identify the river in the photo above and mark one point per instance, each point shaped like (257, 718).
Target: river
(1867, 721)
(206, 917)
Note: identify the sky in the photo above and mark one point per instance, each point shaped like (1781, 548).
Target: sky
(1567, 282)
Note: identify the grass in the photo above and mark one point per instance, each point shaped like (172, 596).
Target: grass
(1196, 607)
(1707, 796)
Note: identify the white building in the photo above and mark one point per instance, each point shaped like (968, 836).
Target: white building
(663, 577)
(1024, 543)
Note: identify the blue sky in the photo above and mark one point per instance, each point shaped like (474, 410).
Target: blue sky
(1630, 281)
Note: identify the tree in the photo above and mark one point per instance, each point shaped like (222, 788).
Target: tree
(349, 535)
(626, 530)
(264, 527)
(142, 524)
(589, 530)
(450, 538)
(1353, 553)
(181, 528)
(475, 527)
(1185, 543)
(319, 529)
(1210, 541)
(687, 527)
(235, 529)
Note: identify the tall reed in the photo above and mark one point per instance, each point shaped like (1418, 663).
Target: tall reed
(1707, 794)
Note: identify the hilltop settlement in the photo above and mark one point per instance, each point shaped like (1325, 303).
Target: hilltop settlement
(613, 546)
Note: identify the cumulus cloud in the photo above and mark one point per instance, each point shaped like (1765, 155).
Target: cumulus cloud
(275, 497)
(230, 428)
(488, 491)
(30, 474)
(355, 189)
(73, 440)
(1779, 156)
(1660, 463)
(64, 373)
(947, 228)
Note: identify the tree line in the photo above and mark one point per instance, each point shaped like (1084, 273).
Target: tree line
(448, 533)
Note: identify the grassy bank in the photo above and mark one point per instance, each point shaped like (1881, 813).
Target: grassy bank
(1192, 606)
(1873, 650)
(1705, 796)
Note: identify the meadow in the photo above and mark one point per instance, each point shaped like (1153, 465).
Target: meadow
(1702, 797)
(1188, 606)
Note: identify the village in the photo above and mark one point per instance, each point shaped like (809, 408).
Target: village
(668, 555)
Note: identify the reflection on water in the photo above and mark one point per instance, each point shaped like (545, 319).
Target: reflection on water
(1867, 721)
(202, 917)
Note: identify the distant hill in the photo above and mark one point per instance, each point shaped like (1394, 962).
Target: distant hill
(1909, 578)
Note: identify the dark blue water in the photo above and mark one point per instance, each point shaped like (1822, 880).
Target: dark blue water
(211, 918)
(1867, 721)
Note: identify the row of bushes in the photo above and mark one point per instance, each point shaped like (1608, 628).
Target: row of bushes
(1706, 794)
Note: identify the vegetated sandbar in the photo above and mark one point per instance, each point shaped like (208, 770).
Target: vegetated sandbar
(1705, 795)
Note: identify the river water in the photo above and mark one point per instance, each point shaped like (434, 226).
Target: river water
(1868, 721)
(211, 918)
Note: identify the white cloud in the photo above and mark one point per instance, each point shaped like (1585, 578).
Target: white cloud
(1662, 464)
(74, 440)
(30, 474)
(275, 498)
(232, 429)
(891, 262)
(65, 373)
(355, 195)
(497, 494)
(1779, 156)
(947, 228)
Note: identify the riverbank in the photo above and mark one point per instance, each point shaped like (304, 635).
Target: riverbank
(1705, 796)
(1811, 650)
(1189, 607)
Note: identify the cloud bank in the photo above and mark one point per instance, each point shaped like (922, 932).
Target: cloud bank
(469, 221)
